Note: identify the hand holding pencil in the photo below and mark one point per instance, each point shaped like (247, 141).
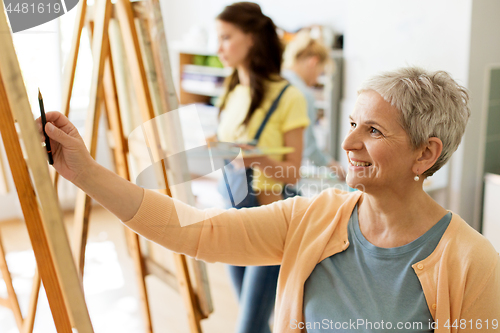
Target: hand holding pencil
(70, 155)
(72, 160)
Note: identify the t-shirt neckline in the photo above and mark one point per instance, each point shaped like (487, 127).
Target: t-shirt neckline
(399, 250)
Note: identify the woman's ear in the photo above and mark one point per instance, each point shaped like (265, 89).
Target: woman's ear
(428, 155)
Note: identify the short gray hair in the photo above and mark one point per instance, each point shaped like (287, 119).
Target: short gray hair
(432, 104)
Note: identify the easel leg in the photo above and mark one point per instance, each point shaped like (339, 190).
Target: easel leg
(120, 150)
(155, 34)
(25, 325)
(83, 207)
(187, 292)
(11, 294)
(140, 271)
(100, 50)
(81, 229)
(29, 321)
(29, 205)
(70, 68)
(4, 185)
(125, 16)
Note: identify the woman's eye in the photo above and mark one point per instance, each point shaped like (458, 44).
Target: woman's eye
(373, 130)
(353, 125)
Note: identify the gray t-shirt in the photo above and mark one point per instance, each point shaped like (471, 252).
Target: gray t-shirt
(370, 289)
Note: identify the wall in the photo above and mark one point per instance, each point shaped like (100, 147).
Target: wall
(181, 16)
(484, 50)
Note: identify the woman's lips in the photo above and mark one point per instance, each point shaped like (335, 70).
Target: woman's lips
(357, 163)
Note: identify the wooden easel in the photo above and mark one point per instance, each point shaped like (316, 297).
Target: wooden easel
(104, 93)
(39, 204)
(4, 185)
(26, 324)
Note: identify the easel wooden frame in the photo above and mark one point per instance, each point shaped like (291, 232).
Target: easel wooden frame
(26, 324)
(150, 26)
(4, 185)
(39, 204)
(104, 92)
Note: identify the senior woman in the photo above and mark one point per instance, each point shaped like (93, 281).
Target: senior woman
(386, 258)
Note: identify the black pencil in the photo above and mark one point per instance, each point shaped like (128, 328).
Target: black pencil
(44, 121)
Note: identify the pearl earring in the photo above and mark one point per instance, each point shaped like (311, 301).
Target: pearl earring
(416, 178)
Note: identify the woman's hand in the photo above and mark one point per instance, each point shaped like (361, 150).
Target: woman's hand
(212, 138)
(256, 161)
(71, 157)
(73, 161)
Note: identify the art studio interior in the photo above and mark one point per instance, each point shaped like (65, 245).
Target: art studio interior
(268, 166)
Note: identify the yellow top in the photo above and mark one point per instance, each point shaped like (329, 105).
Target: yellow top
(290, 114)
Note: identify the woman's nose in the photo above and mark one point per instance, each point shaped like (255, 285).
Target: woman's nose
(352, 141)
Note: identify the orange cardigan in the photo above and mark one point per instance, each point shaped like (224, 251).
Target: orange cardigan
(460, 279)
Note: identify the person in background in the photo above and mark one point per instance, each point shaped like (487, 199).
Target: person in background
(304, 60)
(249, 43)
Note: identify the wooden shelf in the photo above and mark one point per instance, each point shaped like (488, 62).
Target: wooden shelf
(187, 93)
(215, 92)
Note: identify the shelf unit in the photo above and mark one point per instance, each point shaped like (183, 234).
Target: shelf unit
(198, 83)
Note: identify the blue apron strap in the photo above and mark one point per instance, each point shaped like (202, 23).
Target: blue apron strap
(274, 106)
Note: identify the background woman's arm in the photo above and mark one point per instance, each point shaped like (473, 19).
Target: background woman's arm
(286, 171)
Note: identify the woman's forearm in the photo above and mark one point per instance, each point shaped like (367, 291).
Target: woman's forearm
(288, 170)
(119, 196)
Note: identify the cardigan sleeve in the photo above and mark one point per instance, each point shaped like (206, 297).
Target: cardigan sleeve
(483, 315)
(253, 236)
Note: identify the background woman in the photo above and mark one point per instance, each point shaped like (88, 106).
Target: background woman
(305, 60)
(248, 42)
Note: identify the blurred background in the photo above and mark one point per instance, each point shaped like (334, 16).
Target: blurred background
(365, 37)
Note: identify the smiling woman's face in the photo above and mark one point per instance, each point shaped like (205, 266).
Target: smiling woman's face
(377, 146)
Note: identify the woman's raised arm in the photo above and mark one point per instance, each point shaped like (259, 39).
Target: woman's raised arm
(241, 237)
